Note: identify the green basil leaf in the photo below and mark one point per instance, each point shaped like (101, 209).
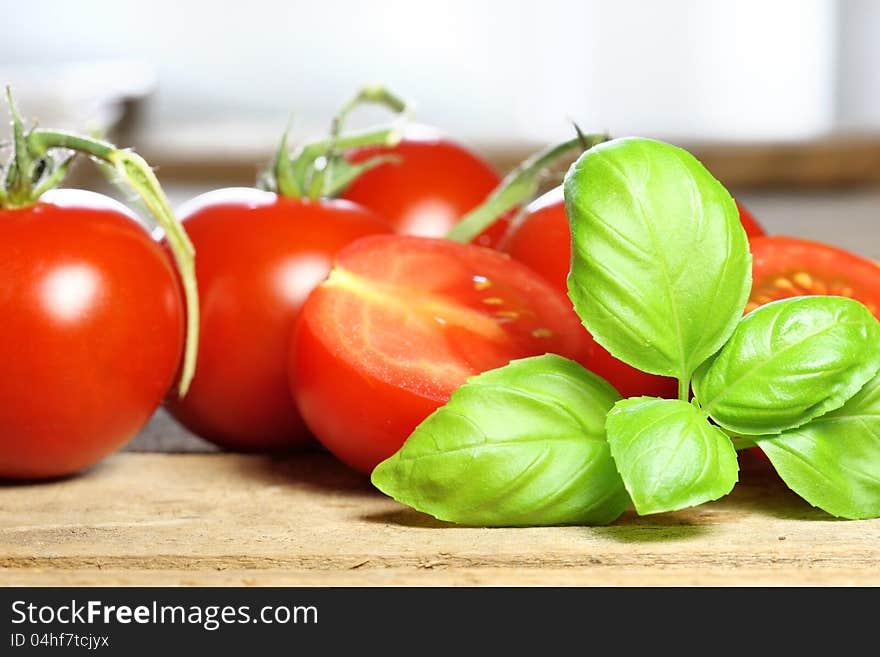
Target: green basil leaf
(520, 445)
(789, 362)
(669, 455)
(834, 461)
(661, 269)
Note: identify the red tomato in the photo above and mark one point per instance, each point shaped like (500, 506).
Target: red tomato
(258, 257)
(92, 332)
(433, 185)
(401, 323)
(786, 267)
(541, 239)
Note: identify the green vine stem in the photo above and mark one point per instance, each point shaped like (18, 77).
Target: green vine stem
(134, 170)
(301, 174)
(366, 95)
(518, 187)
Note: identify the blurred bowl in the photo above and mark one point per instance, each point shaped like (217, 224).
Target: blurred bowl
(92, 97)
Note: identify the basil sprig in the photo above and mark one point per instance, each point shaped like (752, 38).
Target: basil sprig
(660, 274)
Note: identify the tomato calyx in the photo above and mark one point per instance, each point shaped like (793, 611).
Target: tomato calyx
(34, 170)
(520, 186)
(319, 169)
(28, 176)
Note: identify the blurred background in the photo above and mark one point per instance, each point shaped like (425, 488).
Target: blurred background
(205, 91)
(781, 100)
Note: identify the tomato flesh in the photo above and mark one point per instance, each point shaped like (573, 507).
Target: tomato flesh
(434, 184)
(785, 267)
(401, 323)
(259, 256)
(92, 332)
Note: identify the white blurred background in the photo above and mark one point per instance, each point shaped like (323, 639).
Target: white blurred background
(486, 71)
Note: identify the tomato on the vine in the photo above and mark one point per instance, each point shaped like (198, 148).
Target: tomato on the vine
(93, 317)
(430, 186)
(259, 256)
(401, 322)
(92, 332)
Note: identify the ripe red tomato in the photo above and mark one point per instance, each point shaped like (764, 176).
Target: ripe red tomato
(401, 323)
(92, 332)
(258, 257)
(433, 185)
(786, 267)
(541, 239)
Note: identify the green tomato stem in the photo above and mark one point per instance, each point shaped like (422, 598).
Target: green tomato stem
(286, 183)
(54, 178)
(301, 176)
(19, 176)
(134, 170)
(518, 187)
(369, 94)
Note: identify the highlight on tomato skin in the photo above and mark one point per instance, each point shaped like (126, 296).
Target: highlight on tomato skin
(93, 332)
(402, 322)
(785, 267)
(434, 183)
(259, 256)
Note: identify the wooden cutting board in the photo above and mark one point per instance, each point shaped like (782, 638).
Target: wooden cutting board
(224, 519)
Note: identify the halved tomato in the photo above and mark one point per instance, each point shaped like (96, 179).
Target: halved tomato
(785, 267)
(403, 321)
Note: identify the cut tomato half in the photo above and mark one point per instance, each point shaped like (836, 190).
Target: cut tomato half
(401, 322)
(785, 267)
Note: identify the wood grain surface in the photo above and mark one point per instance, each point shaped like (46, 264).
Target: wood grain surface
(224, 519)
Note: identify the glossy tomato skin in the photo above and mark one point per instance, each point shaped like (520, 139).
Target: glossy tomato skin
(785, 267)
(258, 257)
(434, 184)
(401, 323)
(92, 332)
(541, 239)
